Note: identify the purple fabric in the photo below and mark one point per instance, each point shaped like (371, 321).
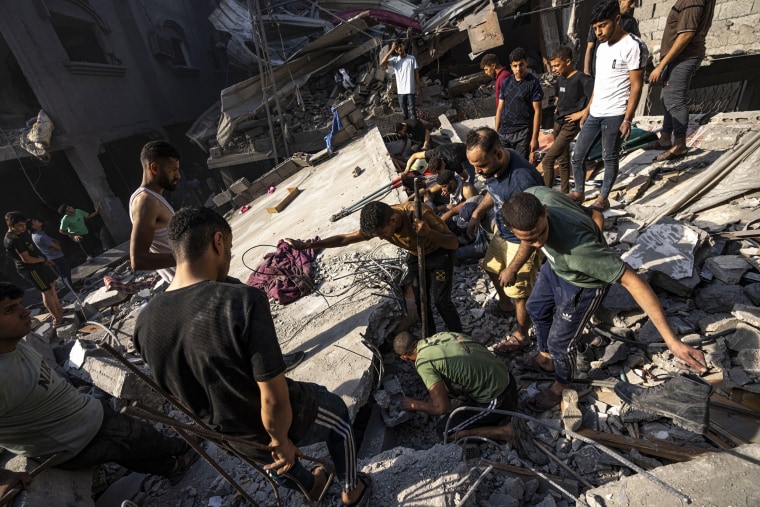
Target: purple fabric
(286, 274)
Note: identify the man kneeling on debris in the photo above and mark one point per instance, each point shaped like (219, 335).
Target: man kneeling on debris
(44, 416)
(579, 271)
(454, 366)
(210, 341)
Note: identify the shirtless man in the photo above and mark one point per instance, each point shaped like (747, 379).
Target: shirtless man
(150, 212)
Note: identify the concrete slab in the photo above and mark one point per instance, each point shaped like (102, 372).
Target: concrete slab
(53, 486)
(103, 298)
(329, 333)
(108, 258)
(728, 268)
(748, 314)
(728, 478)
(667, 247)
(719, 297)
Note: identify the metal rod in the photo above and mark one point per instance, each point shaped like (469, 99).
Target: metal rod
(474, 486)
(563, 465)
(11, 493)
(421, 274)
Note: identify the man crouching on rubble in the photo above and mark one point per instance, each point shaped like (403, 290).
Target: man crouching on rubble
(579, 271)
(210, 341)
(42, 415)
(452, 365)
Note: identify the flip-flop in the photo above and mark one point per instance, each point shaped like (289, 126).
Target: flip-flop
(510, 345)
(604, 206)
(665, 156)
(366, 495)
(655, 145)
(543, 401)
(492, 308)
(531, 363)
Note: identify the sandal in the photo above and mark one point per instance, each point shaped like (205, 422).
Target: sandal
(669, 155)
(601, 204)
(366, 495)
(655, 145)
(543, 401)
(182, 465)
(531, 363)
(492, 308)
(510, 345)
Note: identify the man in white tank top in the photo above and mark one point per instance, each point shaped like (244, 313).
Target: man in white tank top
(150, 212)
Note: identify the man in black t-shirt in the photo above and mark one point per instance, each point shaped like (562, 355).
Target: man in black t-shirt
(31, 264)
(627, 21)
(416, 131)
(210, 341)
(574, 91)
(453, 156)
(518, 115)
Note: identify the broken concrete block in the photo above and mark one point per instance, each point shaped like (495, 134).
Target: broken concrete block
(348, 132)
(745, 337)
(750, 360)
(345, 107)
(649, 334)
(106, 373)
(719, 297)
(215, 152)
(616, 301)
(680, 287)
(356, 118)
(241, 200)
(262, 145)
(240, 185)
(728, 268)
(717, 322)
(222, 198)
(667, 247)
(44, 332)
(65, 333)
(465, 84)
(748, 314)
(380, 74)
(103, 298)
(636, 187)
(738, 376)
(54, 486)
(628, 232)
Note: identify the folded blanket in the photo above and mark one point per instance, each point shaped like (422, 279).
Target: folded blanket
(286, 274)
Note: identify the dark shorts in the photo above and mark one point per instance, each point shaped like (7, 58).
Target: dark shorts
(41, 278)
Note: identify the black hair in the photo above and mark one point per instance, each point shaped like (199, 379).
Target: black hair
(435, 164)
(484, 138)
(62, 209)
(445, 177)
(374, 215)
(518, 54)
(562, 53)
(10, 291)
(14, 217)
(191, 230)
(489, 59)
(156, 151)
(404, 343)
(606, 9)
(399, 127)
(522, 211)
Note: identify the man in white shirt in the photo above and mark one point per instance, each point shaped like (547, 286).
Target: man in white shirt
(620, 61)
(407, 77)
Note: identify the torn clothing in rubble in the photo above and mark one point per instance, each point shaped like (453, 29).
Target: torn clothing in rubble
(286, 274)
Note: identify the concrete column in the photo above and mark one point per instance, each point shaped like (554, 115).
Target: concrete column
(84, 158)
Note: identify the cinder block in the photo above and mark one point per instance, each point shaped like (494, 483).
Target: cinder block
(215, 152)
(106, 373)
(241, 200)
(380, 74)
(240, 185)
(344, 135)
(345, 107)
(222, 198)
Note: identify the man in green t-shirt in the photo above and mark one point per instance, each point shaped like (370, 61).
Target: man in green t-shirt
(73, 225)
(452, 365)
(579, 271)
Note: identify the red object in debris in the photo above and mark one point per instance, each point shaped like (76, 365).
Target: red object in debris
(271, 190)
(244, 209)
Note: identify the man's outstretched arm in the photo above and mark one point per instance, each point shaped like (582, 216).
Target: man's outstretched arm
(329, 242)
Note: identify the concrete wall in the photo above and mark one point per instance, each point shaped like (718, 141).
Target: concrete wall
(135, 92)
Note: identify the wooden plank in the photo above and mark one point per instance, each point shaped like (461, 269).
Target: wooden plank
(523, 473)
(293, 192)
(652, 447)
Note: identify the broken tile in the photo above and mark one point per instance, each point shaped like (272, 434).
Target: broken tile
(667, 247)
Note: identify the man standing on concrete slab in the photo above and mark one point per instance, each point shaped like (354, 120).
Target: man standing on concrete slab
(210, 341)
(407, 78)
(627, 21)
(507, 173)
(518, 115)
(32, 265)
(495, 70)
(150, 212)
(452, 365)
(681, 51)
(620, 61)
(73, 225)
(579, 271)
(397, 225)
(51, 249)
(42, 415)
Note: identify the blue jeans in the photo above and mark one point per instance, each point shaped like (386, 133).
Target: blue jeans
(675, 87)
(408, 103)
(608, 128)
(559, 311)
(331, 426)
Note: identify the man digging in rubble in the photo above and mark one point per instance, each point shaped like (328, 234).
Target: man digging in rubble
(397, 225)
(42, 415)
(454, 366)
(579, 271)
(210, 341)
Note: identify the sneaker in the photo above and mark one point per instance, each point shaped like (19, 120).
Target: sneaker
(683, 399)
(572, 418)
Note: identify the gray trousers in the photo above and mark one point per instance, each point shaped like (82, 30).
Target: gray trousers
(675, 87)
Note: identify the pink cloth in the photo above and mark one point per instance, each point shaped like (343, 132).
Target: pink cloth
(286, 274)
(127, 287)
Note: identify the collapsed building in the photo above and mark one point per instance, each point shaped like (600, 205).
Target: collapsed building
(704, 208)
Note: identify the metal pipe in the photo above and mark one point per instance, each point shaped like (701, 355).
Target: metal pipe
(421, 274)
(474, 486)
